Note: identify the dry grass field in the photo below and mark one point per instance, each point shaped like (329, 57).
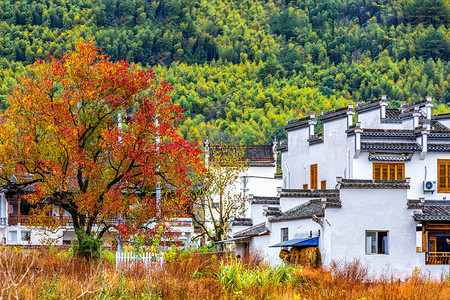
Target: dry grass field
(46, 274)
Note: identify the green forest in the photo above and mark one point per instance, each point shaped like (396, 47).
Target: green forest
(241, 68)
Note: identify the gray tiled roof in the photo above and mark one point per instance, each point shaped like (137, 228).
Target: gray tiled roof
(373, 184)
(242, 222)
(291, 124)
(362, 107)
(441, 116)
(434, 211)
(437, 146)
(414, 204)
(438, 126)
(303, 211)
(309, 193)
(315, 139)
(393, 114)
(272, 211)
(335, 114)
(260, 229)
(404, 146)
(266, 200)
(390, 156)
(255, 155)
(388, 133)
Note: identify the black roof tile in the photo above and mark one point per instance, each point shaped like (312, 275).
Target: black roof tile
(434, 211)
(260, 229)
(297, 193)
(266, 200)
(367, 106)
(303, 211)
(390, 156)
(404, 146)
(291, 124)
(272, 211)
(242, 222)
(335, 114)
(373, 184)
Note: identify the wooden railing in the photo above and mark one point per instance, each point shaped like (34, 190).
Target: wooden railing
(437, 258)
(62, 221)
(14, 220)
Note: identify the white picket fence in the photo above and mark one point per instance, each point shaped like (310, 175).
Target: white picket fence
(127, 260)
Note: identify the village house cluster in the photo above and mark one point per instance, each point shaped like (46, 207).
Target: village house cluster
(374, 190)
(371, 186)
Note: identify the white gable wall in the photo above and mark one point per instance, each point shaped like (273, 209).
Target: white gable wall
(374, 209)
(415, 169)
(293, 164)
(371, 119)
(336, 147)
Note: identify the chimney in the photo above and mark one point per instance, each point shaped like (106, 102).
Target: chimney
(312, 122)
(383, 105)
(428, 106)
(416, 115)
(350, 114)
(424, 142)
(358, 131)
(275, 152)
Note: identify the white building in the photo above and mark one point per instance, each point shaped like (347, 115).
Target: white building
(15, 211)
(259, 179)
(374, 191)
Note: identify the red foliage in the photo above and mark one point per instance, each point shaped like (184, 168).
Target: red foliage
(62, 137)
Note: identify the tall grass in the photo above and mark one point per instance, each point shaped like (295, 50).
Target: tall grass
(26, 274)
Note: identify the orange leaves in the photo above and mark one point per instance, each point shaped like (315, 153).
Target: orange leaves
(62, 133)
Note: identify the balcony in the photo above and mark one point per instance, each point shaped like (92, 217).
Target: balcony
(437, 258)
(62, 221)
(15, 220)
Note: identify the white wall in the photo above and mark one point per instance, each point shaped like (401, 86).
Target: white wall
(374, 209)
(415, 169)
(38, 237)
(300, 155)
(372, 120)
(260, 245)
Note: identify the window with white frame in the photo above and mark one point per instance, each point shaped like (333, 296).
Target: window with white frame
(13, 236)
(376, 242)
(26, 235)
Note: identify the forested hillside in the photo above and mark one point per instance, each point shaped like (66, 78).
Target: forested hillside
(241, 68)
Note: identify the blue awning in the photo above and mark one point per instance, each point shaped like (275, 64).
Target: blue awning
(299, 242)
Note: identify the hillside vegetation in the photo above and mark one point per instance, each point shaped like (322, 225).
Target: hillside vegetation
(241, 68)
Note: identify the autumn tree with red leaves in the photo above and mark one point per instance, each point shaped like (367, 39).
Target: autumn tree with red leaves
(96, 138)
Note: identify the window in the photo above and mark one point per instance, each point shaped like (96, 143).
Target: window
(305, 186)
(26, 236)
(314, 177)
(284, 234)
(376, 242)
(323, 185)
(215, 205)
(13, 236)
(443, 176)
(388, 171)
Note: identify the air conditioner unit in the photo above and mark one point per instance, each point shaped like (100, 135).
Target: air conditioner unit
(429, 186)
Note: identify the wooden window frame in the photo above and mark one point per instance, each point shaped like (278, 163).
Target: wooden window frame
(445, 162)
(389, 166)
(313, 176)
